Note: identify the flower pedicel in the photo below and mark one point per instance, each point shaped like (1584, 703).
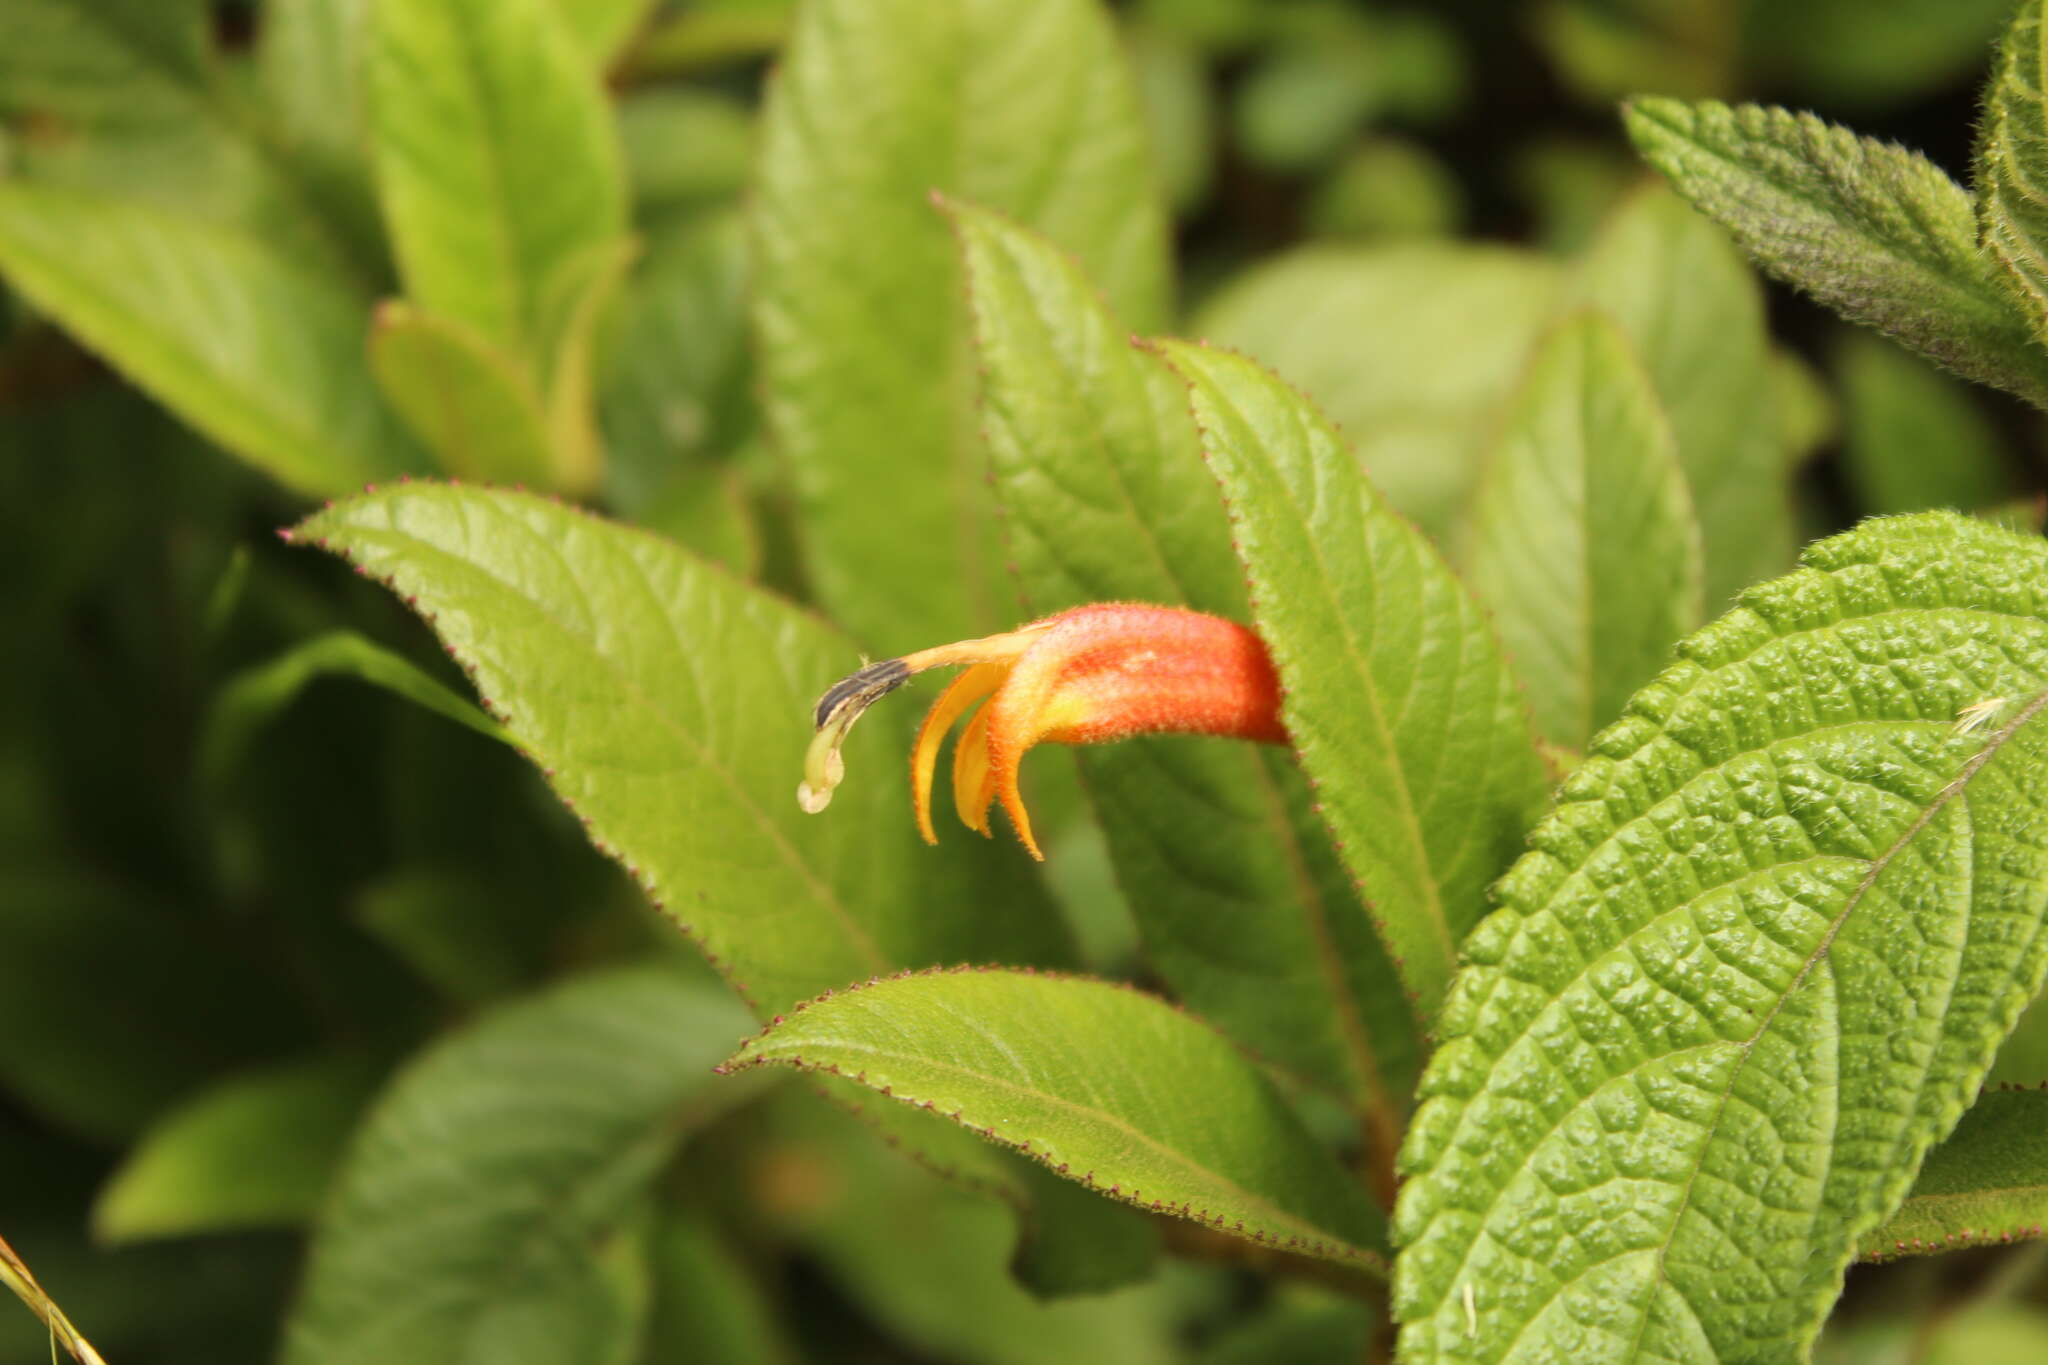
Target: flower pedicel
(1087, 675)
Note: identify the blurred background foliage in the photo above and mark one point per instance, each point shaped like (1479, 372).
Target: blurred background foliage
(241, 892)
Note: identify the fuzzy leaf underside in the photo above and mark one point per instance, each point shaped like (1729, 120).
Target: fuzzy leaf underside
(2012, 165)
(1756, 963)
(1398, 696)
(1879, 234)
(862, 324)
(1986, 1183)
(1583, 540)
(669, 704)
(469, 1220)
(1171, 1117)
(1244, 907)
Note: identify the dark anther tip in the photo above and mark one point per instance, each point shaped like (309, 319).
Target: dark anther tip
(861, 690)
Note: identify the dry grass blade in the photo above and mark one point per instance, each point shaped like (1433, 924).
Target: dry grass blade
(16, 1276)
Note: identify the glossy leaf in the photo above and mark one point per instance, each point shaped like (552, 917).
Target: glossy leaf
(1244, 907)
(2012, 164)
(1877, 233)
(1755, 965)
(1398, 696)
(1914, 438)
(258, 352)
(496, 160)
(1695, 313)
(255, 697)
(467, 1220)
(670, 706)
(859, 309)
(465, 398)
(1986, 1183)
(1583, 540)
(1409, 349)
(255, 1150)
(1172, 1118)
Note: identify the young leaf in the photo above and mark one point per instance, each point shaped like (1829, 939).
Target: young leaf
(256, 696)
(467, 1218)
(2012, 161)
(859, 310)
(255, 1150)
(258, 352)
(1877, 233)
(669, 705)
(1583, 540)
(1409, 349)
(1245, 910)
(467, 399)
(1170, 1117)
(496, 161)
(1398, 697)
(1986, 1182)
(1914, 438)
(1755, 965)
(1695, 313)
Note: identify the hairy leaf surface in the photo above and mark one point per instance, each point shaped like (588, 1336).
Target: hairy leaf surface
(1398, 697)
(1877, 233)
(1986, 1182)
(497, 163)
(261, 353)
(469, 1217)
(2012, 164)
(1027, 109)
(1245, 909)
(1755, 965)
(670, 705)
(1170, 1117)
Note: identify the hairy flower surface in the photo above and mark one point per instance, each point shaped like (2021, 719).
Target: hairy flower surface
(1087, 675)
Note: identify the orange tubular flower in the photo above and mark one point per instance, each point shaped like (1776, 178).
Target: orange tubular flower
(1088, 675)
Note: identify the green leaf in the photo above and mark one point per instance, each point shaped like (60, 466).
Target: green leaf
(496, 160)
(1025, 1060)
(1755, 965)
(255, 697)
(1398, 697)
(1877, 233)
(128, 98)
(1410, 349)
(466, 399)
(2012, 163)
(674, 392)
(254, 1150)
(1696, 315)
(260, 353)
(467, 1220)
(1914, 439)
(1808, 414)
(1987, 1182)
(709, 1303)
(859, 310)
(671, 705)
(577, 446)
(310, 60)
(602, 27)
(1583, 539)
(1245, 909)
(450, 927)
(686, 150)
(2023, 1057)
(945, 1288)
(1071, 1242)
(1302, 1325)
